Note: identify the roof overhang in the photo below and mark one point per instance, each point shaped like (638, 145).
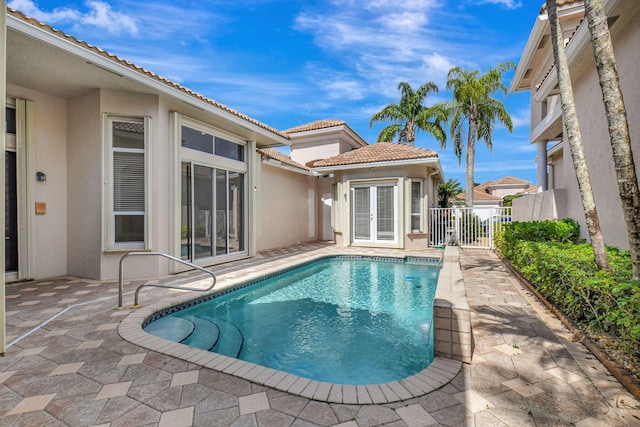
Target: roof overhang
(280, 165)
(349, 136)
(42, 60)
(433, 161)
(578, 44)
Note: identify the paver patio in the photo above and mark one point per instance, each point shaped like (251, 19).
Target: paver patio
(76, 370)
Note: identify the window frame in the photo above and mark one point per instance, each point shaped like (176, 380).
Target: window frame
(109, 222)
(196, 157)
(421, 207)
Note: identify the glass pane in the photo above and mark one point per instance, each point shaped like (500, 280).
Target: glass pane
(197, 140)
(185, 212)
(128, 135)
(129, 228)
(221, 212)
(128, 181)
(229, 149)
(11, 213)
(385, 213)
(361, 207)
(236, 223)
(415, 222)
(10, 121)
(415, 197)
(202, 203)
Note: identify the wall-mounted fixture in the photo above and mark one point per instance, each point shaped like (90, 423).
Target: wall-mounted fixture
(40, 176)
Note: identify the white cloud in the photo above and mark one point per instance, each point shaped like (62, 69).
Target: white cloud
(100, 15)
(507, 4)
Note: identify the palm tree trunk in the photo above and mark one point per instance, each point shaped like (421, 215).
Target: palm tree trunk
(618, 126)
(471, 158)
(575, 139)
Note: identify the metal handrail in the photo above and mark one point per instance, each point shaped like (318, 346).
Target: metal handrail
(158, 285)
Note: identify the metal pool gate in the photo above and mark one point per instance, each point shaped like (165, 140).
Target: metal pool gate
(466, 227)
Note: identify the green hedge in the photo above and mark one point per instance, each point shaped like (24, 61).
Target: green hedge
(565, 273)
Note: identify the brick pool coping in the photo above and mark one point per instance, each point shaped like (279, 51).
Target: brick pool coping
(452, 331)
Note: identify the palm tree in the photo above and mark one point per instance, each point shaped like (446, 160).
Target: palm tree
(447, 191)
(575, 139)
(474, 106)
(618, 125)
(411, 115)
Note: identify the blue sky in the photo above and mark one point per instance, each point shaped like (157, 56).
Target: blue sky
(287, 63)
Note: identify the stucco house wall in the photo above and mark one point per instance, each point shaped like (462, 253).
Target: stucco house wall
(283, 212)
(623, 16)
(49, 157)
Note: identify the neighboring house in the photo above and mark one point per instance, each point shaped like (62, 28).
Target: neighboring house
(492, 193)
(536, 73)
(104, 157)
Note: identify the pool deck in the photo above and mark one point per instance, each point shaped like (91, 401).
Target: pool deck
(77, 370)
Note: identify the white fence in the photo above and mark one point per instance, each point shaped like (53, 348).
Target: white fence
(466, 227)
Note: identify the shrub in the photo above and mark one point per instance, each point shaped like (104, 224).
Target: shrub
(565, 273)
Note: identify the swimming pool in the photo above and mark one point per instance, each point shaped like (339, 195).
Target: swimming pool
(343, 320)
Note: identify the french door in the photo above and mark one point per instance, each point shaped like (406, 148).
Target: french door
(374, 213)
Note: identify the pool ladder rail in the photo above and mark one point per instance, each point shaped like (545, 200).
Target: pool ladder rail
(158, 285)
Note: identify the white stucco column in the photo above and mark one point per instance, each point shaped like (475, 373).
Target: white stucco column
(541, 161)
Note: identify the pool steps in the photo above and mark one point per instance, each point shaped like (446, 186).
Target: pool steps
(206, 333)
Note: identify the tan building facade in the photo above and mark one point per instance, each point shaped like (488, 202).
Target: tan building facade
(535, 73)
(104, 157)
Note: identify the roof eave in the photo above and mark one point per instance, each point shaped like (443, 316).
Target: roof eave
(112, 66)
(423, 160)
(529, 51)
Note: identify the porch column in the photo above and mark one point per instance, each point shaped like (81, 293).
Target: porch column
(541, 161)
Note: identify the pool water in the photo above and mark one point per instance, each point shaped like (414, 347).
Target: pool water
(343, 321)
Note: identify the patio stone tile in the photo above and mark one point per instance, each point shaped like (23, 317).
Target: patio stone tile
(223, 417)
(132, 359)
(80, 410)
(215, 401)
(30, 404)
(109, 391)
(68, 368)
(177, 418)
(522, 387)
(31, 351)
(141, 415)
(253, 403)
(319, 413)
(5, 375)
(273, 419)
(184, 378)
(565, 375)
(473, 401)
(288, 404)
(90, 344)
(370, 415)
(416, 416)
(107, 327)
(57, 332)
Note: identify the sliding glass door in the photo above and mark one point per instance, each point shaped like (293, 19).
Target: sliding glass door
(212, 222)
(374, 213)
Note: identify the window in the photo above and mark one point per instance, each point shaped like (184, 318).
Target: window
(205, 142)
(213, 217)
(416, 206)
(128, 154)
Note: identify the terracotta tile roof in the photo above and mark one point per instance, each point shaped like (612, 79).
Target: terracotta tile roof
(478, 195)
(318, 124)
(376, 153)
(277, 155)
(19, 15)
